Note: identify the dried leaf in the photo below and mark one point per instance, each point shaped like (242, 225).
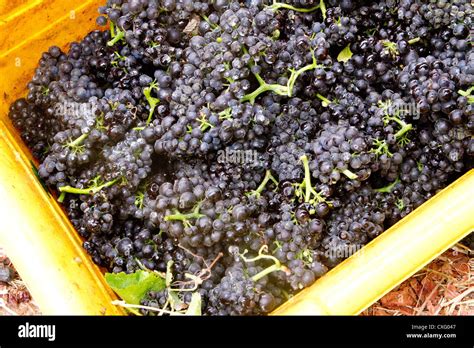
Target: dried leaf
(195, 304)
(192, 26)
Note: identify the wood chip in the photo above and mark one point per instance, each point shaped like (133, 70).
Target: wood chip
(193, 25)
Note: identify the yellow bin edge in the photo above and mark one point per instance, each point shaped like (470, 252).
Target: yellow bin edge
(34, 230)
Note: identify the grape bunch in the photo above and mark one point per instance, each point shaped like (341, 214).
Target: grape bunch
(242, 149)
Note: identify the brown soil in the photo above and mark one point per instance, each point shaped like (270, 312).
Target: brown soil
(444, 287)
(15, 298)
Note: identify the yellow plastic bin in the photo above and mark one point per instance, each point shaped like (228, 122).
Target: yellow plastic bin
(48, 254)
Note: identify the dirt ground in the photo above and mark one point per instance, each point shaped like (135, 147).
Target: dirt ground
(15, 298)
(444, 287)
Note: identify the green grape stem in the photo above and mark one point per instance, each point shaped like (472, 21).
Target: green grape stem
(183, 217)
(278, 5)
(260, 188)
(112, 29)
(468, 94)
(177, 216)
(273, 268)
(117, 35)
(323, 9)
(388, 188)
(77, 142)
(414, 41)
(306, 184)
(404, 127)
(139, 200)
(382, 148)
(277, 266)
(400, 204)
(349, 174)
(265, 87)
(204, 124)
(226, 114)
(152, 101)
(87, 191)
(212, 25)
(278, 89)
(61, 197)
(325, 101)
(295, 74)
(391, 47)
(276, 34)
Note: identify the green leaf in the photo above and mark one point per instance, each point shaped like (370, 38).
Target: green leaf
(345, 54)
(195, 305)
(134, 286)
